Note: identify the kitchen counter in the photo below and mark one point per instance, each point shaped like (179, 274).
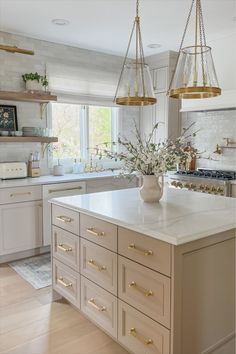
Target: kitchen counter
(24, 182)
(180, 217)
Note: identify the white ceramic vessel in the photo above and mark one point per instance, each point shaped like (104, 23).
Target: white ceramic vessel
(152, 190)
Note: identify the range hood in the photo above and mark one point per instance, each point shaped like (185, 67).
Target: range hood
(227, 100)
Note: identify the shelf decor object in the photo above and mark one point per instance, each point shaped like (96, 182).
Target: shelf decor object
(135, 85)
(8, 118)
(14, 49)
(195, 76)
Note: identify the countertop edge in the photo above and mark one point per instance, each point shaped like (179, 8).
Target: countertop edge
(161, 237)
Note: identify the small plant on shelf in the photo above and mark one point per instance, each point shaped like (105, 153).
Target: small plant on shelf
(35, 82)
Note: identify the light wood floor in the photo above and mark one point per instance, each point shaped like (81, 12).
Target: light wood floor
(31, 324)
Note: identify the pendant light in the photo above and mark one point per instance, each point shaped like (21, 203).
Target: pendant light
(195, 75)
(135, 86)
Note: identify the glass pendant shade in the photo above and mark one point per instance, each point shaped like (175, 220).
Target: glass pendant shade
(195, 76)
(135, 86)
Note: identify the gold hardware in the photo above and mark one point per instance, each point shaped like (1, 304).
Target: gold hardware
(229, 142)
(62, 282)
(201, 187)
(218, 150)
(174, 183)
(14, 49)
(93, 231)
(94, 265)
(140, 250)
(192, 186)
(195, 92)
(93, 304)
(18, 194)
(64, 189)
(179, 185)
(206, 187)
(220, 190)
(140, 337)
(139, 90)
(143, 291)
(64, 248)
(213, 189)
(64, 218)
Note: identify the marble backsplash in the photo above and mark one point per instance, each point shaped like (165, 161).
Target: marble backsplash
(213, 127)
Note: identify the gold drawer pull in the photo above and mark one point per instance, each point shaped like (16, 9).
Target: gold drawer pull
(19, 194)
(140, 250)
(143, 291)
(140, 337)
(94, 265)
(63, 189)
(93, 304)
(93, 231)
(62, 282)
(64, 218)
(64, 248)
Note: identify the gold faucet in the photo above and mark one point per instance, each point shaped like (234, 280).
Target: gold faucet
(218, 150)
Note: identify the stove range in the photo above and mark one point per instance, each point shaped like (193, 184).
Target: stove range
(204, 180)
(205, 173)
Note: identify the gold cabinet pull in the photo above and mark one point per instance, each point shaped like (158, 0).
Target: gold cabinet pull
(64, 189)
(94, 232)
(143, 291)
(64, 248)
(61, 281)
(64, 218)
(140, 337)
(140, 250)
(19, 194)
(93, 304)
(94, 265)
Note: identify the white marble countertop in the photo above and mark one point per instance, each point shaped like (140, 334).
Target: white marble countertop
(24, 182)
(180, 217)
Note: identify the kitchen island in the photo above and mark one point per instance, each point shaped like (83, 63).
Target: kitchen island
(158, 278)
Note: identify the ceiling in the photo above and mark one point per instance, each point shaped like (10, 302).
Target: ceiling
(105, 25)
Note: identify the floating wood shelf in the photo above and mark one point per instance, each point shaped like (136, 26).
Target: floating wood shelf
(39, 97)
(28, 139)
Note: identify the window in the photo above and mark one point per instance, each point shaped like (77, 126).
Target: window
(81, 128)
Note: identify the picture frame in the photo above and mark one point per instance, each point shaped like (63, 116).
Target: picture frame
(8, 118)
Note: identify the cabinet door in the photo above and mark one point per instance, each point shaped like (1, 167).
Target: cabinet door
(160, 79)
(20, 226)
(160, 116)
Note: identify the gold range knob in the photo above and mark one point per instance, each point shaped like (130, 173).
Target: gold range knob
(179, 185)
(214, 189)
(174, 183)
(220, 190)
(202, 187)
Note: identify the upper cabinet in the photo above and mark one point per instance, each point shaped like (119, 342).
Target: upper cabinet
(160, 79)
(166, 110)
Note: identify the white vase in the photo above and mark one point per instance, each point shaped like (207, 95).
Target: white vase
(33, 85)
(58, 170)
(152, 190)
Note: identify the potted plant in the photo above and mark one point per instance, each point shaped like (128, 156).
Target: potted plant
(35, 82)
(150, 160)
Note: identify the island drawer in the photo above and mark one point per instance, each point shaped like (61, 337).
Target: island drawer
(66, 219)
(66, 282)
(139, 333)
(99, 305)
(101, 232)
(20, 194)
(65, 247)
(99, 265)
(144, 289)
(145, 250)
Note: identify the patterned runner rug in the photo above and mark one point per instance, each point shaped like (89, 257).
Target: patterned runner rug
(35, 270)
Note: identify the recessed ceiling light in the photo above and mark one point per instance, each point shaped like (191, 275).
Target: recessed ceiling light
(154, 45)
(60, 22)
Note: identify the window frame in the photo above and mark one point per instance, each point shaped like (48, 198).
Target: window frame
(84, 128)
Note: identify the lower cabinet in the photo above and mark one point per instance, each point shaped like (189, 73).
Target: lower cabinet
(139, 333)
(15, 238)
(66, 282)
(99, 305)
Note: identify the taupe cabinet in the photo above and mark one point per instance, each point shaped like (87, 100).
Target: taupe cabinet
(150, 296)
